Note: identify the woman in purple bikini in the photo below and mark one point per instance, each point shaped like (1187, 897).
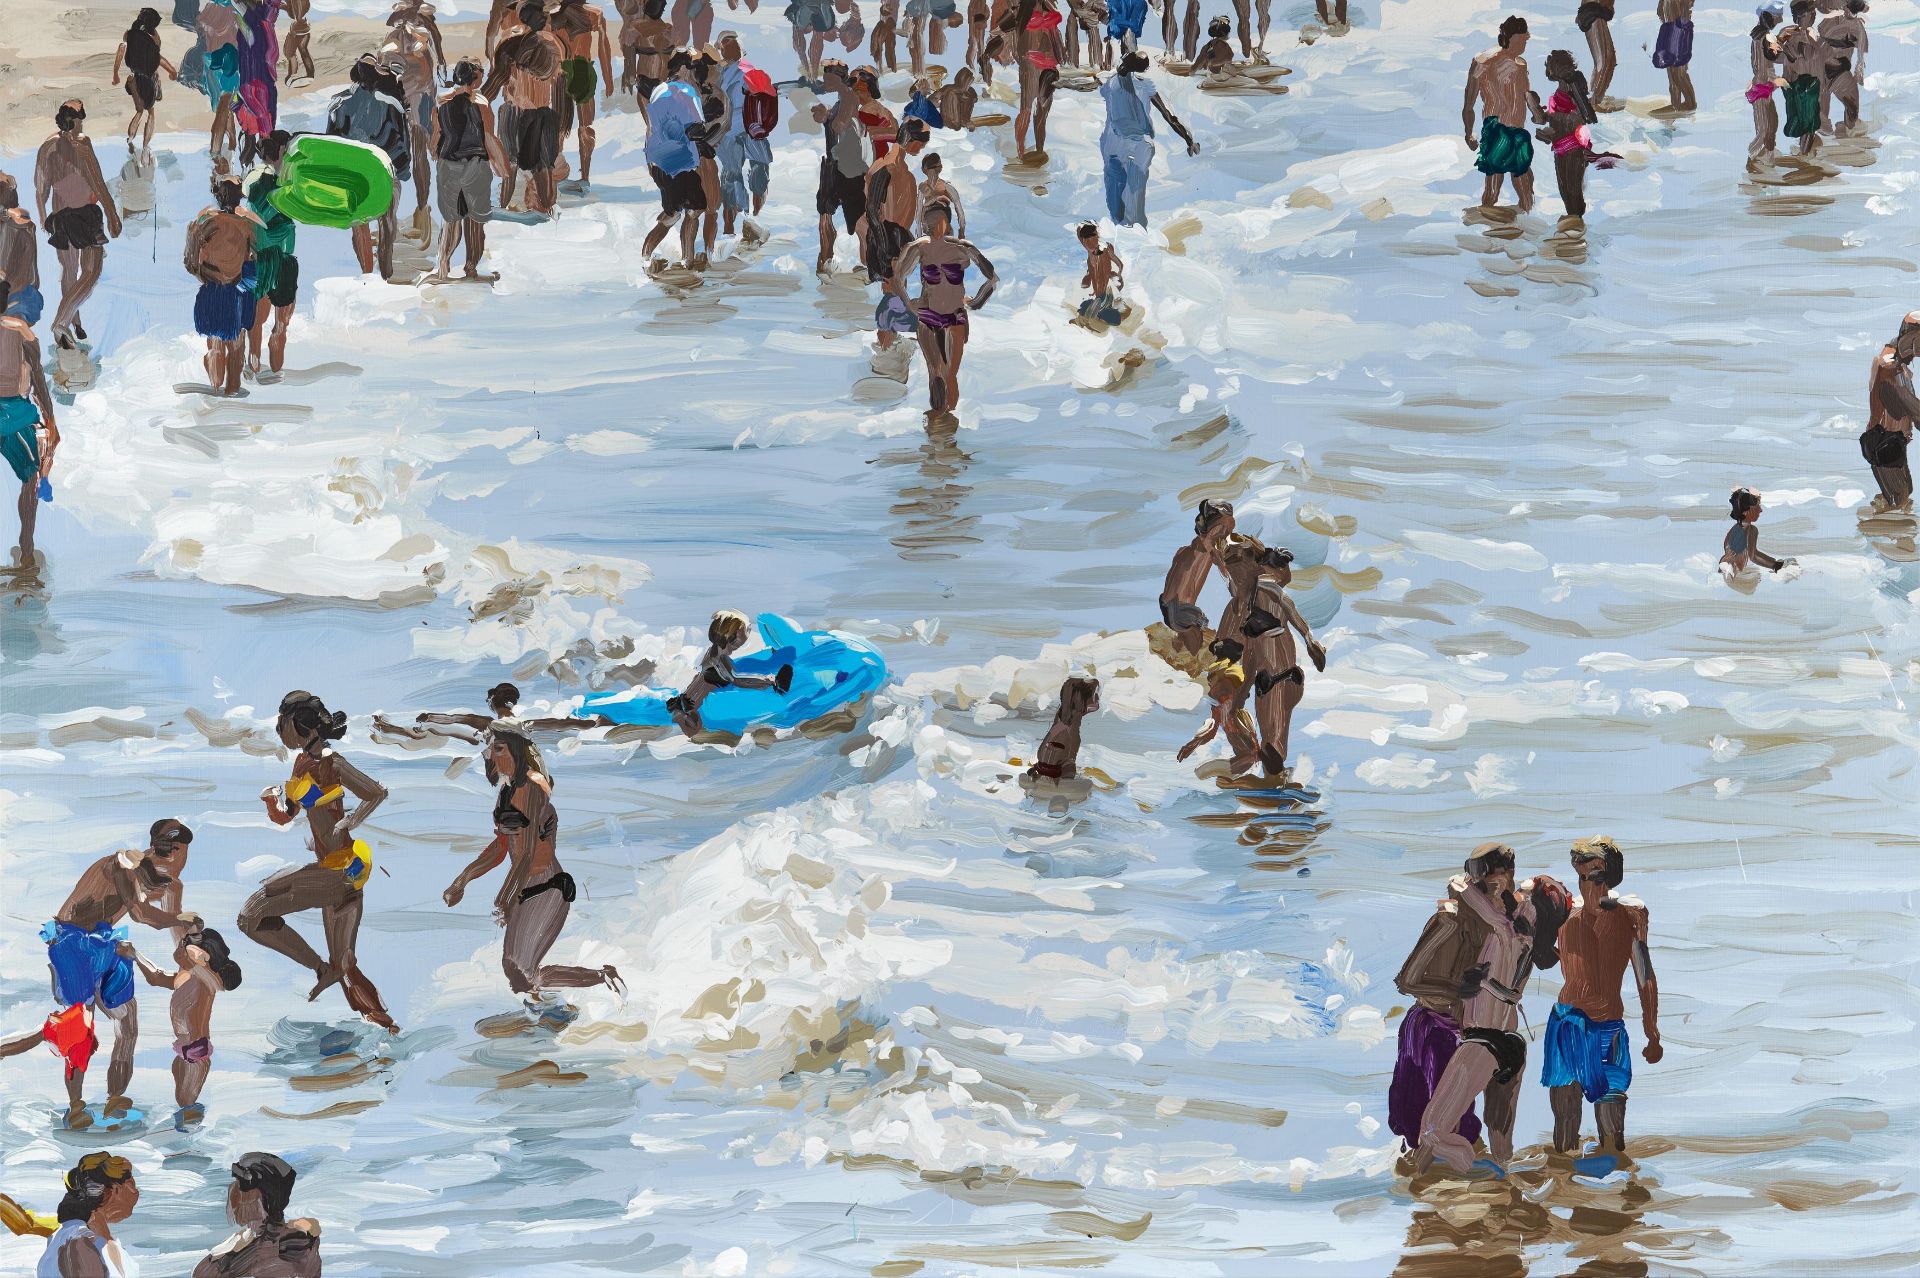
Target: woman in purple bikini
(941, 308)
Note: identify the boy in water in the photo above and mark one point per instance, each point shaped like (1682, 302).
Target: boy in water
(206, 969)
(1106, 276)
(726, 634)
(1187, 575)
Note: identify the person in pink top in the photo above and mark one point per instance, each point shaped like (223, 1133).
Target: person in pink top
(1568, 113)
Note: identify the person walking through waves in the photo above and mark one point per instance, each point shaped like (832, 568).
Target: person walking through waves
(334, 882)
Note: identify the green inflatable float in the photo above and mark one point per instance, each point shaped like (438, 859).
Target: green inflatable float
(326, 181)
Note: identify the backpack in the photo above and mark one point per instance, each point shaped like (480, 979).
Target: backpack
(760, 107)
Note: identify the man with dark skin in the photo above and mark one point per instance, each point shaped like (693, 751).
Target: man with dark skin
(843, 170)
(82, 951)
(1271, 663)
(78, 212)
(469, 156)
(581, 29)
(1498, 79)
(652, 43)
(1844, 37)
(893, 205)
(1593, 17)
(1585, 1045)
(267, 1244)
(1803, 62)
(1892, 408)
(526, 72)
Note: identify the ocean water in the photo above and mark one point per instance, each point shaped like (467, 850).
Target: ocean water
(885, 1008)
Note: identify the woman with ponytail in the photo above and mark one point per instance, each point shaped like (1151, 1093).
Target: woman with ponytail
(100, 1194)
(319, 785)
(1568, 113)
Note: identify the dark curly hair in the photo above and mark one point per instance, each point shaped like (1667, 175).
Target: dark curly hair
(311, 718)
(1743, 500)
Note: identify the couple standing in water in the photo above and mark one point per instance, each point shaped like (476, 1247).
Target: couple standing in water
(1254, 653)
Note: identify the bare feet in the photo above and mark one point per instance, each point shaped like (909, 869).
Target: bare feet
(116, 1107)
(328, 977)
(78, 1119)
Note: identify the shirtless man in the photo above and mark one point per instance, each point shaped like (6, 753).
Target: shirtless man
(630, 11)
(1892, 408)
(28, 436)
(1585, 1044)
(408, 51)
(83, 955)
(1593, 18)
(218, 250)
(652, 42)
(956, 99)
(1192, 564)
(526, 73)
(78, 212)
(295, 50)
(1803, 61)
(267, 1244)
(1519, 925)
(893, 205)
(842, 186)
(19, 255)
(1498, 79)
(1271, 663)
(420, 13)
(1844, 38)
(581, 29)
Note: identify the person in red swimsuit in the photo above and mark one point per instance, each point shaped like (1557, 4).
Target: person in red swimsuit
(1036, 26)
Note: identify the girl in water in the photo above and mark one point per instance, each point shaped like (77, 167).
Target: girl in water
(1036, 32)
(942, 261)
(726, 635)
(139, 52)
(1764, 52)
(534, 900)
(332, 884)
(1742, 544)
(1568, 113)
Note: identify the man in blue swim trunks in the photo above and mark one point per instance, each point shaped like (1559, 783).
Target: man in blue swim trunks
(1586, 1047)
(19, 254)
(26, 414)
(83, 951)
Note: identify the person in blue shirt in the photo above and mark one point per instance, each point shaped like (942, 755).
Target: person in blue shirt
(1126, 143)
(674, 161)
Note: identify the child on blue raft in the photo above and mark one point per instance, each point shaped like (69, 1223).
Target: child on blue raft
(726, 634)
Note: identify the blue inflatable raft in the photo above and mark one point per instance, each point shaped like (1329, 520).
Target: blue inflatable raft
(831, 669)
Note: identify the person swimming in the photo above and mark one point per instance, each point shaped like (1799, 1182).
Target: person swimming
(726, 634)
(1741, 546)
(1058, 758)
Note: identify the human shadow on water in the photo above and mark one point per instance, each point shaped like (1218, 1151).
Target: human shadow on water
(933, 528)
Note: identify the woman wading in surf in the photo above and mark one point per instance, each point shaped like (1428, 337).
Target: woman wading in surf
(537, 895)
(940, 311)
(318, 786)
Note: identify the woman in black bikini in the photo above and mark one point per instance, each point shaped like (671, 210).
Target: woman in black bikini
(536, 897)
(139, 52)
(941, 309)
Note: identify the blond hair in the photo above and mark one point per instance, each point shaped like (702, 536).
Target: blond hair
(726, 625)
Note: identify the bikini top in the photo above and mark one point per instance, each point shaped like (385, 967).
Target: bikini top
(1043, 20)
(508, 818)
(955, 272)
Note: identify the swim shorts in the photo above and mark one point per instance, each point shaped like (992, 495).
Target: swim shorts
(87, 966)
(886, 241)
(644, 85)
(531, 136)
(464, 189)
(144, 89)
(222, 312)
(838, 191)
(19, 440)
(199, 1049)
(1182, 616)
(679, 192)
(1880, 446)
(276, 276)
(811, 15)
(581, 79)
(1589, 13)
(83, 226)
(1504, 150)
(1594, 1054)
(26, 302)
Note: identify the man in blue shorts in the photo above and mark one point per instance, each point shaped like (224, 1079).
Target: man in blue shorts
(1587, 1053)
(84, 955)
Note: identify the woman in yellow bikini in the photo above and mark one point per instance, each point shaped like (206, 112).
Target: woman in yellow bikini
(332, 884)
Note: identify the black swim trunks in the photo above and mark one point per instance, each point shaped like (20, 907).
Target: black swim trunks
(838, 191)
(531, 136)
(1589, 13)
(644, 85)
(1508, 1048)
(144, 89)
(83, 226)
(1884, 448)
(679, 192)
(886, 241)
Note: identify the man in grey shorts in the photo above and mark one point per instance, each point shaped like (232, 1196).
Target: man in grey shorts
(470, 157)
